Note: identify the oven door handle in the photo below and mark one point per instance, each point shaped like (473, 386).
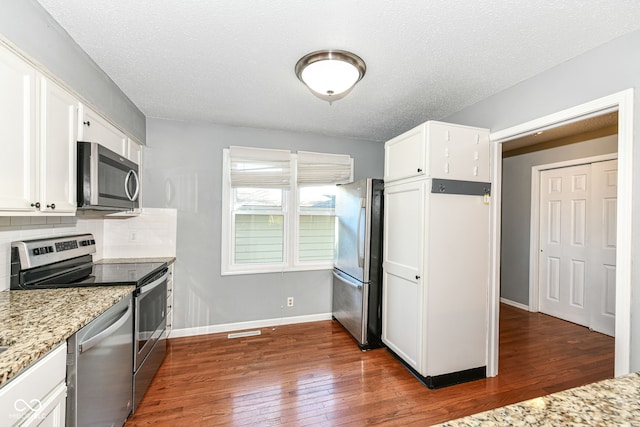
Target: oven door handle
(99, 337)
(148, 288)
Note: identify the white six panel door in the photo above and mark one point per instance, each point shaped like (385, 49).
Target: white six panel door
(563, 243)
(602, 290)
(577, 244)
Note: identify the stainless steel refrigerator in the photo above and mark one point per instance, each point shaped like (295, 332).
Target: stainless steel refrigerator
(357, 272)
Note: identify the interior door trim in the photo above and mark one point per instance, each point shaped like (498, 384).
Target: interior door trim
(624, 102)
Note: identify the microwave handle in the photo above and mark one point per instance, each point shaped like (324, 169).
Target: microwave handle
(133, 174)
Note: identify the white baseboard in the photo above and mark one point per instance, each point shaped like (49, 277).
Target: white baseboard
(229, 327)
(514, 304)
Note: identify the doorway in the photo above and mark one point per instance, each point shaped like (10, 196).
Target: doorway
(573, 241)
(623, 103)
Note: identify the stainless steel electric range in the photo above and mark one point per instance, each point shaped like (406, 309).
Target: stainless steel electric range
(67, 261)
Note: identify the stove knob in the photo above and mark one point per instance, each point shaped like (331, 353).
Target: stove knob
(36, 251)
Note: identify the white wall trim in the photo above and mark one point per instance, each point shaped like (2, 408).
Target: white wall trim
(493, 331)
(514, 304)
(534, 243)
(239, 326)
(623, 102)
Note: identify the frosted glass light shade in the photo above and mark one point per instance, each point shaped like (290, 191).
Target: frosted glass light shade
(330, 75)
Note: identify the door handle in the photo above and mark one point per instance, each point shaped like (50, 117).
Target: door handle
(101, 336)
(358, 234)
(134, 175)
(154, 284)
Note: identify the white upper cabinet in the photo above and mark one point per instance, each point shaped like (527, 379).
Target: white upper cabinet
(38, 134)
(17, 133)
(438, 150)
(404, 155)
(58, 124)
(92, 127)
(134, 152)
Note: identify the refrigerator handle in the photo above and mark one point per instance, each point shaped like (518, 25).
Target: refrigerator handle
(359, 242)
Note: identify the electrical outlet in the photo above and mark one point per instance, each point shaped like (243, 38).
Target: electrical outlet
(290, 302)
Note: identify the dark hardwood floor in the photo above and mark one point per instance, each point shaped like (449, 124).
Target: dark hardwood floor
(313, 374)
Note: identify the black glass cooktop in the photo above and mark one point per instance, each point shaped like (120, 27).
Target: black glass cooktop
(123, 274)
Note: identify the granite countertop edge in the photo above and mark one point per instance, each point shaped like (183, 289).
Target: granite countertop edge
(34, 322)
(614, 401)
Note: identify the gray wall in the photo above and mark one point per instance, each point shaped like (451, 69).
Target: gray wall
(183, 170)
(30, 28)
(608, 69)
(516, 209)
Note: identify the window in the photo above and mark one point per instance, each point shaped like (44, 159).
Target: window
(278, 209)
(316, 223)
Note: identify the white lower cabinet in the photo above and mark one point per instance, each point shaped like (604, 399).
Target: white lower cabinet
(51, 411)
(37, 397)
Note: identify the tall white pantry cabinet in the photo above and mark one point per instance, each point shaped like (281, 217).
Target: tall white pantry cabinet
(436, 251)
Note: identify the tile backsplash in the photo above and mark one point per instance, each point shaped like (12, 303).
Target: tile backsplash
(151, 234)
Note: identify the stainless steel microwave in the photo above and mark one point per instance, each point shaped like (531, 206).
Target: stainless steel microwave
(106, 180)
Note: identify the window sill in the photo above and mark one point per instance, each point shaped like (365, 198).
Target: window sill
(268, 269)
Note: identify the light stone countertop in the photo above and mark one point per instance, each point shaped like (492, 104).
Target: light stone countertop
(34, 322)
(612, 402)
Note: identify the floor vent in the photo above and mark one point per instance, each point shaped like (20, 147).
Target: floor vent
(243, 334)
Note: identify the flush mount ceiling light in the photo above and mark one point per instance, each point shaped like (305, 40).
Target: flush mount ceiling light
(330, 74)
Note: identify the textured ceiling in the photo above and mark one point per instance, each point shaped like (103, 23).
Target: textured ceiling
(232, 62)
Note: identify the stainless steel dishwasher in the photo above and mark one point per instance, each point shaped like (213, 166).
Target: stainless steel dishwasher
(99, 366)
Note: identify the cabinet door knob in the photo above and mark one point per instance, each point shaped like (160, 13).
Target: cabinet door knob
(417, 277)
(419, 170)
(87, 123)
(35, 205)
(52, 206)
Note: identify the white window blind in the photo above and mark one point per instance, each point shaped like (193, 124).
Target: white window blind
(324, 168)
(259, 167)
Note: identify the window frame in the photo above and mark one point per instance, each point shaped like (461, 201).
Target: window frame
(291, 224)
